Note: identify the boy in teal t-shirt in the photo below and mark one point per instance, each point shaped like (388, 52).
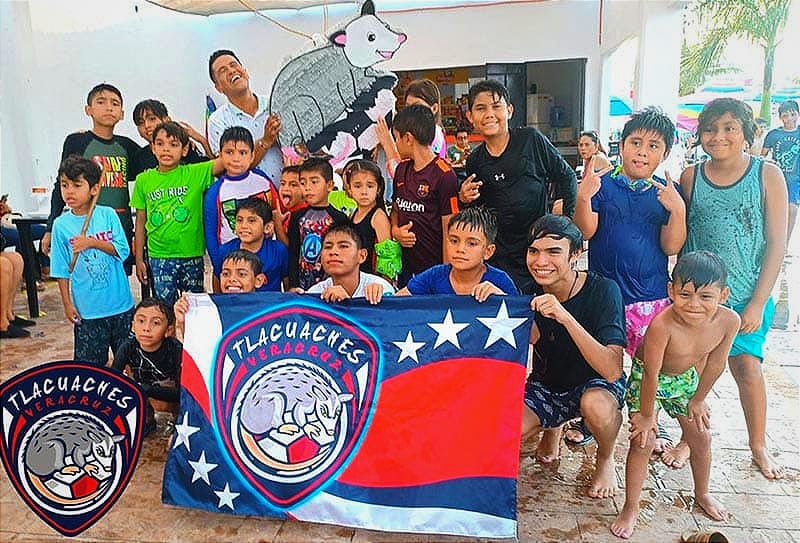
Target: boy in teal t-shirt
(169, 204)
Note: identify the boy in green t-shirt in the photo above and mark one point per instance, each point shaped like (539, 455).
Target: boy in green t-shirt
(169, 204)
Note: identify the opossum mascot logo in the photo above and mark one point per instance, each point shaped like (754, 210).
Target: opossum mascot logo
(330, 98)
(71, 436)
(294, 389)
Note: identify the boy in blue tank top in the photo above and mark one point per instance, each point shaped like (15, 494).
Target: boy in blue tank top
(737, 207)
(634, 222)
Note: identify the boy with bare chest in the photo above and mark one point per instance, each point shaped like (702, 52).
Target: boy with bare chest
(684, 352)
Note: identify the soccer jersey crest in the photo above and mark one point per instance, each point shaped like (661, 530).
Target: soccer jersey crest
(71, 436)
(293, 390)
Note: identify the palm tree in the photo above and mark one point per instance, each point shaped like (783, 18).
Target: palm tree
(759, 21)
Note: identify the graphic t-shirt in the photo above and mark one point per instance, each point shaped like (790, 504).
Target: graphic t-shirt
(557, 361)
(456, 153)
(785, 146)
(627, 244)
(424, 197)
(99, 284)
(274, 259)
(115, 157)
(174, 205)
(306, 230)
(223, 197)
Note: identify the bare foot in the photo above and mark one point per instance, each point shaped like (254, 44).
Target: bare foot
(548, 448)
(769, 468)
(604, 482)
(677, 456)
(712, 506)
(624, 524)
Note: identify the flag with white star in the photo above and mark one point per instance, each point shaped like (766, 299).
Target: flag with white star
(404, 416)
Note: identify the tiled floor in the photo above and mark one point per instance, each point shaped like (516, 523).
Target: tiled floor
(552, 505)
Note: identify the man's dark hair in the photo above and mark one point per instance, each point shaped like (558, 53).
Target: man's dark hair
(651, 119)
(319, 165)
(97, 89)
(492, 86)
(788, 105)
(251, 259)
(214, 56)
(75, 166)
(257, 206)
(719, 107)
(418, 121)
(173, 130)
(349, 230)
(294, 168)
(701, 268)
(464, 128)
(476, 219)
(557, 227)
(236, 134)
(164, 307)
(155, 107)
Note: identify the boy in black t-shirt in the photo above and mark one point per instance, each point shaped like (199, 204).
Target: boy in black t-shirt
(510, 173)
(578, 337)
(112, 153)
(153, 355)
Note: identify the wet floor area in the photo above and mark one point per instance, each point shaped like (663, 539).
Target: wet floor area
(552, 501)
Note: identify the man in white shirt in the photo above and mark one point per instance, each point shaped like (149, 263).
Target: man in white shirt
(244, 108)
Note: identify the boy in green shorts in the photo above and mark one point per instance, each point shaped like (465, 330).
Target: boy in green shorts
(169, 204)
(696, 331)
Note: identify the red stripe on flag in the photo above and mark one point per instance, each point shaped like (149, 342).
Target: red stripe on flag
(456, 418)
(194, 383)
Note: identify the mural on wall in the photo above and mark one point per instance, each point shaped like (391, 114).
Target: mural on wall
(329, 98)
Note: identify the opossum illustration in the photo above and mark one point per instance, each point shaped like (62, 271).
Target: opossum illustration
(298, 390)
(333, 91)
(74, 436)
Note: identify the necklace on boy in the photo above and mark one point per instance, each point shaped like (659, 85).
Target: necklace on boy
(569, 295)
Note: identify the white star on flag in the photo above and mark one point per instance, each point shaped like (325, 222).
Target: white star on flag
(502, 326)
(183, 431)
(201, 468)
(408, 348)
(226, 497)
(447, 330)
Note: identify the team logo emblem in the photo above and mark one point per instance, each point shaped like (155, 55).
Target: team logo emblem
(71, 436)
(423, 190)
(293, 391)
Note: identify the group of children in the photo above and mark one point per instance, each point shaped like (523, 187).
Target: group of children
(678, 333)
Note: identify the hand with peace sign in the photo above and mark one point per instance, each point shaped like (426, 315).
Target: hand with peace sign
(590, 184)
(470, 189)
(668, 195)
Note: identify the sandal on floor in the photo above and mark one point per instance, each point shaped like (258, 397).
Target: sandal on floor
(577, 425)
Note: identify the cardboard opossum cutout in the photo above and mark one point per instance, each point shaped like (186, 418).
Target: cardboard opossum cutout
(329, 98)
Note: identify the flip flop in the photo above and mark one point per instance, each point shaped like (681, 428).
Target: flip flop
(578, 425)
(22, 322)
(663, 435)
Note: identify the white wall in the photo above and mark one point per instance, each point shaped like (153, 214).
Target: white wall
(54, 51)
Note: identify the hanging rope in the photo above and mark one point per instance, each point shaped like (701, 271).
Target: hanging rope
(278, 23)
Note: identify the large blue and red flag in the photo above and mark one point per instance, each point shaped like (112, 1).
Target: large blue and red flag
(403, 416)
